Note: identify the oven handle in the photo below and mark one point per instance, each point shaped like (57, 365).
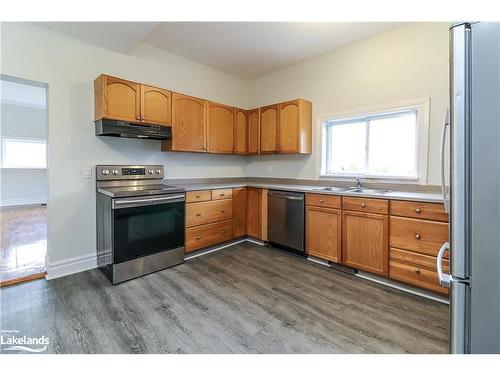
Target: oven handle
(123, 203)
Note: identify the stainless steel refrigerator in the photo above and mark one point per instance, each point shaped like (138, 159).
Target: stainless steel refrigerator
(474, 194)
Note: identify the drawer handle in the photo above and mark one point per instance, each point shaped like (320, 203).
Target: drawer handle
(223, 232)
(321, 201)
(198, 214)
(198, 238)
(222, 194)
(417, 210)
(417, 236)
(363, 205)
(417, 271)
(198, 196)
(222, 211)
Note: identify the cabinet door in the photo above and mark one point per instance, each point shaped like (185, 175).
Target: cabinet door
(220, 128)
(156, 106)
(239, 212)
(366, 241)
(268, 128)
(254, 212)
(119, 99)
(253, 137)
(323, 233)
(189, 124)
(295, 127)
(240, 131)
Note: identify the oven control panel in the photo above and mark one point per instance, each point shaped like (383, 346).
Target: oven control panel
(129, 172)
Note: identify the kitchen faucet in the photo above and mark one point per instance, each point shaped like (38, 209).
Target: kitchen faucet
(358, 182)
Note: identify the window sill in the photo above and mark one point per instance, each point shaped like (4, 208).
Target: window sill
(373, 179)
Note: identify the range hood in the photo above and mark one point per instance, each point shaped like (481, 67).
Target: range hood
(115, 128)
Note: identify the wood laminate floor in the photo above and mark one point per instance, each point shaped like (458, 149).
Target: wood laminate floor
(243, 299)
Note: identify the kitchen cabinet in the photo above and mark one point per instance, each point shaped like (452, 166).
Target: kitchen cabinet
(208, 235)
(365, 241)
(324, 233)
(189, 125)
(294, 135)
(117, 99)
(254, 212)
(156, 105)
(220, 128)
(208, 212)
(253, 135)
(239, 212)
(240, 131)
(269, 117)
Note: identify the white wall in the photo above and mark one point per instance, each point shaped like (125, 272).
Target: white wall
(405, 63)
(69, 67)
(23, 186)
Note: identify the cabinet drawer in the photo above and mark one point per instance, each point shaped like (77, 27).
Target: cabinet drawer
(376, 206)
(208, 212)
(416, 269)
(323, 200)
(419, 210)
(222, 194)
(208, 235)
(422, 236)
(198, 196)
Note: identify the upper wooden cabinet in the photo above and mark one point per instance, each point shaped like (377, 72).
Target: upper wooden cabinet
(156, 106)
(269, 117)
(253, 137)
(189, 125)
(295, 127)
(240, 131)
(117, 99)
(220, 128)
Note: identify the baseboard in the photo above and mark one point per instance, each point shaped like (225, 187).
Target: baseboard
(70, 266)
(23, 201)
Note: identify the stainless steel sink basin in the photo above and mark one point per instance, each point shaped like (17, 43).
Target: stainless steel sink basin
(362, 190)
(332, 189)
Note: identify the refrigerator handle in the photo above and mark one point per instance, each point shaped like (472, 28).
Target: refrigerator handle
(444, 278)
(446, 199)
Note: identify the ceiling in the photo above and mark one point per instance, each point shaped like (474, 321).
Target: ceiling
(243, 49)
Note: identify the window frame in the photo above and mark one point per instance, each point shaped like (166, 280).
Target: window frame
(25, 140)
(420, 106)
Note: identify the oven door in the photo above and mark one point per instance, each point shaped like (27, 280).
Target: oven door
(147, 225)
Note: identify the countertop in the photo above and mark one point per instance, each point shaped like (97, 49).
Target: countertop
(394, 195)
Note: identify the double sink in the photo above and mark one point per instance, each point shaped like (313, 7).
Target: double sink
(354, 190)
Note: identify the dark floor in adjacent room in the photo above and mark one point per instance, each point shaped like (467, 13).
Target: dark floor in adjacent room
(243, 299)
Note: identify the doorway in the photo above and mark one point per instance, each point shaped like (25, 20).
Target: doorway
(23, 180)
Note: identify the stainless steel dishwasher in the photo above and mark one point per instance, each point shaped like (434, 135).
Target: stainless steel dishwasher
(286, 220)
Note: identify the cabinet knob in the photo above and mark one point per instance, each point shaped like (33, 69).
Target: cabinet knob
(137, 117)
(198, 214)
(417, 236)
(321, 201)
(223, 232)
(222, 194)
(417, 271)
(222, 211)
(417, 210)
(198, 238)
(142, 117)
(198, 196)
(363, 205)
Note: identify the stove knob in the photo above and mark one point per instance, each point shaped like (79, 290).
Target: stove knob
(158, 171)
(105, 172)
(115, 171)
(150, 171)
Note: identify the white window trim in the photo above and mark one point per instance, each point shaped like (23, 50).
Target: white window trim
(423, 117)
(33, 140)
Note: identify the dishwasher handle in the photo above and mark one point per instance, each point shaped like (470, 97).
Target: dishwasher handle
(290, 197)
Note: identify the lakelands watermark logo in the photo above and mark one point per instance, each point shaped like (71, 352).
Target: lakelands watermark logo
(11, 340)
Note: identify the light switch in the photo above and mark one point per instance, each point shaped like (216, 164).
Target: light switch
(87, 172)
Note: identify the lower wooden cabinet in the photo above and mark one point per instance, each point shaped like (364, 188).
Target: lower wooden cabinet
(254, 212)
(208, 235)
(200, 213)
(239, 212)
(324, 233)
(365, 239)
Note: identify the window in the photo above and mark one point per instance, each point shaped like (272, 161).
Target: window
(383, 145)
(24, 153)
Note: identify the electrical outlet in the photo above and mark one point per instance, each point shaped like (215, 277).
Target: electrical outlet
(87, 172)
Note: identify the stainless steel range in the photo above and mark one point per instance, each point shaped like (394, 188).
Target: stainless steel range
(140, 221)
